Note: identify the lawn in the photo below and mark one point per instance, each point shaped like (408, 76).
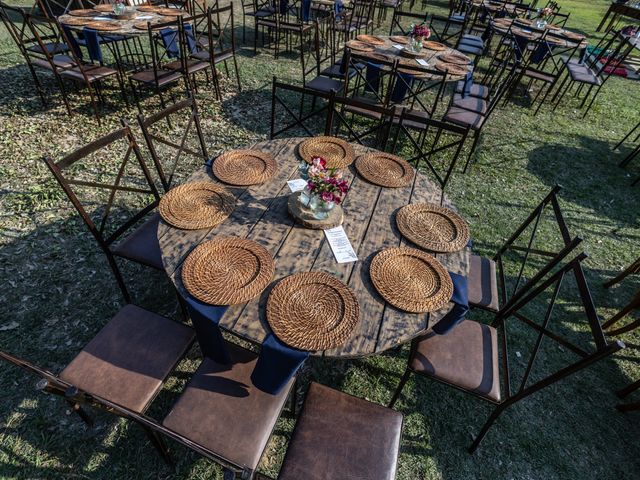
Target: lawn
(57, 290)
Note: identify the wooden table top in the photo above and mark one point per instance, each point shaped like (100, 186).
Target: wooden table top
(125, 27)
(550, 33)
(261, 215)
(391, 53)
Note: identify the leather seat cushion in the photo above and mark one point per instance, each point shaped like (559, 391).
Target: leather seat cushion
(483, 286)
(142, 245)
(129, 359)
(463, 117)
(473, 104)
(340, 436)
(477, 90)
(221, 410)
(164, 77)
(324, 84)
(466, 357)
(581, 74)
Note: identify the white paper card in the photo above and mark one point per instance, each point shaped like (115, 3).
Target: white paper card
(101, 18)
(297, 184)
(399, 47)
(422, 62)
(340, 245)
(144, 17)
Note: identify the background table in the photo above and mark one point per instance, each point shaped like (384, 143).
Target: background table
(261, 215)
(430, 56)
(618, 10)
(126, 27)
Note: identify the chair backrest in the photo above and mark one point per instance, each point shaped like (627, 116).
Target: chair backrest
(165, 46)
(434, 144)
(15, 20)
(222, 30)
(401, 21)
(309, 52)
(376, 81)
(166, 154)
(516, 254)
(300, 112)
(559, 19)
(363, 129)
(446, 29)
(540, 301)
(54, 8)
(420, 88)
(86, 173)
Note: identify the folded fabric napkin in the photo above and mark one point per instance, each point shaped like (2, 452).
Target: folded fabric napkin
(205, 319)
(460, 308)
(306, 10)
(276, 365)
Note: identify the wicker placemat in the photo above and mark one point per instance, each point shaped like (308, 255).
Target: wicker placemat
(433, 227)
(359, 46)
(398, 39)
(83, 12)
(148, 8)
(385, 169)
(196, 205)
(371, 39)
(227, 271)
(337, 152)
(77, 21)
(454, 58)
(312, 311)
(104, 25)
(571, 35)
(143, 24)
(411, 280)
(431, 45)
(171, 12)
(244, 167)
(452, 69)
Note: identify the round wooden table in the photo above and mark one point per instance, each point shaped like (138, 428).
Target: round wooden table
(553, 35)
(125, 27)
(261, 215)
(389, 52)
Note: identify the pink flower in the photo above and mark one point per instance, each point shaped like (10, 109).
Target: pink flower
(319, 162)
(327, 196)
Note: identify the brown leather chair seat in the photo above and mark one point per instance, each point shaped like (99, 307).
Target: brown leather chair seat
(93, 73)
(222, 411)
(129, 359)
(324, 84)
(164, 77)
(483, 285)
(473, 104)
(338, 436)
(463, 117)
(466, 357)
(477, 90)
(142, 245)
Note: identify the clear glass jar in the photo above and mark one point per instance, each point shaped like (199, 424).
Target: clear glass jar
(320, 208)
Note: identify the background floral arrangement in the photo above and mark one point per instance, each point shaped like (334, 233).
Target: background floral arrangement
(421, 31)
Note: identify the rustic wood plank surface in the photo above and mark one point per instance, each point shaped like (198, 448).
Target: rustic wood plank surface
(261, 215)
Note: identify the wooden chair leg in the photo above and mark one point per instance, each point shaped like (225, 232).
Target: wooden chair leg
(159, 445)
(633, 268)
(634, 304)
(485, 429)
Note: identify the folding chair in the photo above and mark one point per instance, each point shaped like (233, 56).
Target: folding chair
(125, 364)
(164, 148)
(468, 357)
(311, 60)
(634, 304)
(83, 174)
(434, 144)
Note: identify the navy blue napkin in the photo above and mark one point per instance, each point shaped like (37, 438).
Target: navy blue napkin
(338, 7)
(73, 43)
(521, 46)
(541, 52)
(372, 77)
(276, 365)
(403, 82)
(468, 83)
(306, 10)
(169, 38)
(205, 319)
(92, 42)
(460, 308)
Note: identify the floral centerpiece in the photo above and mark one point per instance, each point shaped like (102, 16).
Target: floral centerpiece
(544, 14)
(118, 7)
(325, 188)
(420, 32)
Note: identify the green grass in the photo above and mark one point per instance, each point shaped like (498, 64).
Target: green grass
(57, 290)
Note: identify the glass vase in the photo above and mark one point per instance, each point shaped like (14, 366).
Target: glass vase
(320, 208)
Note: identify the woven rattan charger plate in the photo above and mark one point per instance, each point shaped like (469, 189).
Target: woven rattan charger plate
(77, 21)
(411, 280)
(360, 46)
(337, 152)
(227, 271)
(312, 311)
(454, 58)
(83, 12)
(433, 227)
(384, 169)
(371, 39)
(196, 205)
(244, 167)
